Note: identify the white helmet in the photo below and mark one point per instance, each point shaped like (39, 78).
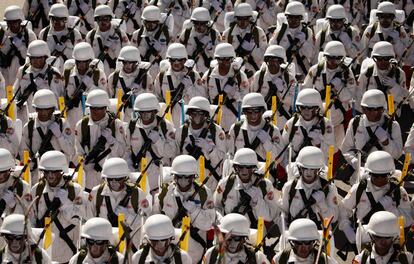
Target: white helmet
(151, 13)
(309, 97)
(184, 165)
(115, 168)
(373, 98)
(199, 103)
(310, 157)
(236, 224)
(276, 51)
(383, 224)
(224, 50)
(295, 8)
(13, 225)
(146, 102)
(380, 162)
(83, 51)
(303, 229)
(383, 49)
(246, 157)
(386, 7)
(97, 228)
(334, 48)
(53, 160)
(159, 227)
(58, 10)
(129, 53)
(13, 12)
(253, 100)
(44, 99)
(243, 10)
(200, 14)
(38, 48)
(6, 160)
(336, 12)
(176, 51)
(103, 10)
(97, 98)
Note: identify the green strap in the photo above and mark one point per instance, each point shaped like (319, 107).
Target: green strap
(99, 199)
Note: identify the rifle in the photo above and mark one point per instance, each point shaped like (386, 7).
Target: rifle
(323, 240)
(200, 48)
(46, 141)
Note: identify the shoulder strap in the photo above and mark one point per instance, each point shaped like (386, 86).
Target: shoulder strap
(184, 134)
(201, 192)
(92, 36)
(144, 254)
(230, 37)
(322, 38)
(132, 125)
(292, 190)
(360, 189)
(3, 124)
(44, 37)
(255, 32)
(81, 256)
(161, 196)
(284, 257)
(85, 130)
(281, 33)
(365, 255)
(187, 33)
(373, 29)
(134, 196)
(213, 256)
(237, 127)
(355, 123)
(228, 187)
(99, 199)
(115, 79)
(261, 79)
(319, 70)
(292, 129)
(71, 191)
(30, 127)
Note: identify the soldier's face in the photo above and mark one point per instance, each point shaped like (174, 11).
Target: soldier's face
(4, 176)
(308, 175)
(14, 25)
(177, 65)
(383, 63)
(104, 23)
(332, 62)
(184, 182)
(382, 244)
(58, 23)
(244, 172)
(294, 21)
(160, 247)
(373, 114)
(15, 243)
(224, 62)
(116, 185)
(234, 244)
(97, 113)
(147, 117)
(82, 66)
(253, 115)
(336, 24)
(150, 25)
(129, 66)
(302, 248)
(273, 63)
(53, 178)
(45, 115)
(308, 112)
(96, 247)
(243, 22)
(200, 26)
(38, 62)
(379, 180)
(197, 117)
(385, 20)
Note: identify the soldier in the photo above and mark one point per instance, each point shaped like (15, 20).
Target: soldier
(132, 78)
(60, 38)
(106, 39)
(373, 130)
(152, 39)
(98, 135)
(115, 196)
(200, 38)
(20, 247)
(384, 74)
(339, 30)
(159, 247)
(35, 75)
(37, 12)
(244, 191)
(84, 10)
(180, 79)
(11, 184)
(302, 236)
(187, 197)
(378, 190)
(384, 231)
(276, 79)
(386, 29)
(234, 249)
(15, 40)
(97, 232)
(181, 10)
(81, 78)
(250, 40)
(297, 38)
(8, 134)
(60, 199)
(46, 131)
(308, 127)
(310, 195)
(129, 11)
(332, 71)
(227, 79)
(200, 136)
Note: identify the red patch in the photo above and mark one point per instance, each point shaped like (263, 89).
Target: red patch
(28, 197)
(144, 203)
(222, 135)
(10, 131)
(68, 131)
(270, 196)
(219, 190)
(90, 197)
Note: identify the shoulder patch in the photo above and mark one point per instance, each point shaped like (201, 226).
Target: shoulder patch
(121, 130)
(270, 195)
(171, 135)
(219, 190)
(222, 136)
(329, 129)
(68, 131)
(210, 205)
(10, 131)
(144, 203)
(275, 139)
